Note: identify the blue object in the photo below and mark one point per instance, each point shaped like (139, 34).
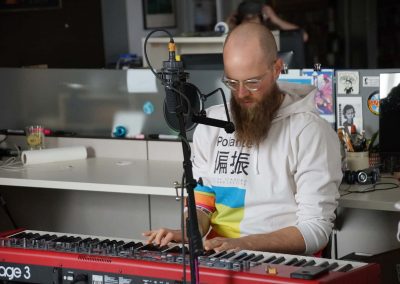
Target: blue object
(120, 131)
(127, 60)
(148, 108)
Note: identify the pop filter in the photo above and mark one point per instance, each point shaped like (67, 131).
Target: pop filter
(190, 91)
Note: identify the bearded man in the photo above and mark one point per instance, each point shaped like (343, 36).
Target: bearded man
(273, 184)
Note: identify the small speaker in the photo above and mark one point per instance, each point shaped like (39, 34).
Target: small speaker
(365, 176)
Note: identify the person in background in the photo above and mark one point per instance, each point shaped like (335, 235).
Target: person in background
(272, 185)
(258, 11)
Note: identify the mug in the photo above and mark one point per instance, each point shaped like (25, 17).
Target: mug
(357, 161)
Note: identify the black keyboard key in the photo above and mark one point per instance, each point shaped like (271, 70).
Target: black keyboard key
(19, 235)
(291, 261)
(128, 245)
(60, 239)
(248, 257)
(309, 263)
(163, 248)
(240, 256)
(150, 247)
(269, 259)
(228, 255)
(209, 252)
(174, 249)
(43, 237)
(220, 254)
(257, 258)
(278, 260)
(333, 265)
(324, 264)
(300, 262)
(345, 268)
(104, 242)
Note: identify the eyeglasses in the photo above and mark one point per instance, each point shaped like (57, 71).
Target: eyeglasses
(251, 85)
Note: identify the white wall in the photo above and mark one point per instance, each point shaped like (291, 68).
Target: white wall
(123, 23)
(136, 31)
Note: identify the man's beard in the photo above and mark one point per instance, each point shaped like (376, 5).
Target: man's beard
(252, 124)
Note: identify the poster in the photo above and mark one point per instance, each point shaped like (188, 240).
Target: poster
(349, 114)
(323, 80)
(348, 82)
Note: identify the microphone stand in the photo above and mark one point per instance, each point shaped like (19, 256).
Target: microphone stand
(192, 228)
(172, 80)
(5, 208)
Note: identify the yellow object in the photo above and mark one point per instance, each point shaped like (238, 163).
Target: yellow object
(171, 46)
(177, 57)
(271, 270)
(34, 139)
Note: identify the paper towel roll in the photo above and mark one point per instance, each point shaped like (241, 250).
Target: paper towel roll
(33, 157)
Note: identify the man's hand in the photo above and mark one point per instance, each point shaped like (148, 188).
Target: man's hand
(163, 236)
(285, 240)
(221, 244)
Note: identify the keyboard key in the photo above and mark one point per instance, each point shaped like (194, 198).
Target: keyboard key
(345, 268)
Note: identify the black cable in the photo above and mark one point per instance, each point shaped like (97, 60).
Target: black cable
(145, 49)
(390, 177)
(156, 74)
(372, 188)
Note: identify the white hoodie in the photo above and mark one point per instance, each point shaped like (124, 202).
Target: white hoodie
(291, 179)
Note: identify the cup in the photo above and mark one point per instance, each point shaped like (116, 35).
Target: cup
(35, 137)
(357, 161)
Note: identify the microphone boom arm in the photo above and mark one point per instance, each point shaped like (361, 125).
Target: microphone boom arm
(201, 118)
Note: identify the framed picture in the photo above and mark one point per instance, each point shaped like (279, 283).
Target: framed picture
(159, 14)
(26, 5)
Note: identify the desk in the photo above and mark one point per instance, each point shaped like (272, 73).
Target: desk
(91, 199)
(152, 177)
(98, 196)
(367, 222)
(375, 200)
(100, 174)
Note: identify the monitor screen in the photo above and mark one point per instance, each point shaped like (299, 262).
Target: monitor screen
(389, 121)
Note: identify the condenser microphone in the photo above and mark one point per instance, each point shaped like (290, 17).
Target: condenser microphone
(181, 96)
(173, 78)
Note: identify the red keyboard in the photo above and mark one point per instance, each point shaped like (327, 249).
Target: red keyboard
(48, 257)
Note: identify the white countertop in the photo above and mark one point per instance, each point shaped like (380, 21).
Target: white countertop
(374, 200)
(154, 178)
(100, 174)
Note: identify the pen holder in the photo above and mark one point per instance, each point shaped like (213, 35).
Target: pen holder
(357, 161)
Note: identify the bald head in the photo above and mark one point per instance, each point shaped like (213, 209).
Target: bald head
(252, 40)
